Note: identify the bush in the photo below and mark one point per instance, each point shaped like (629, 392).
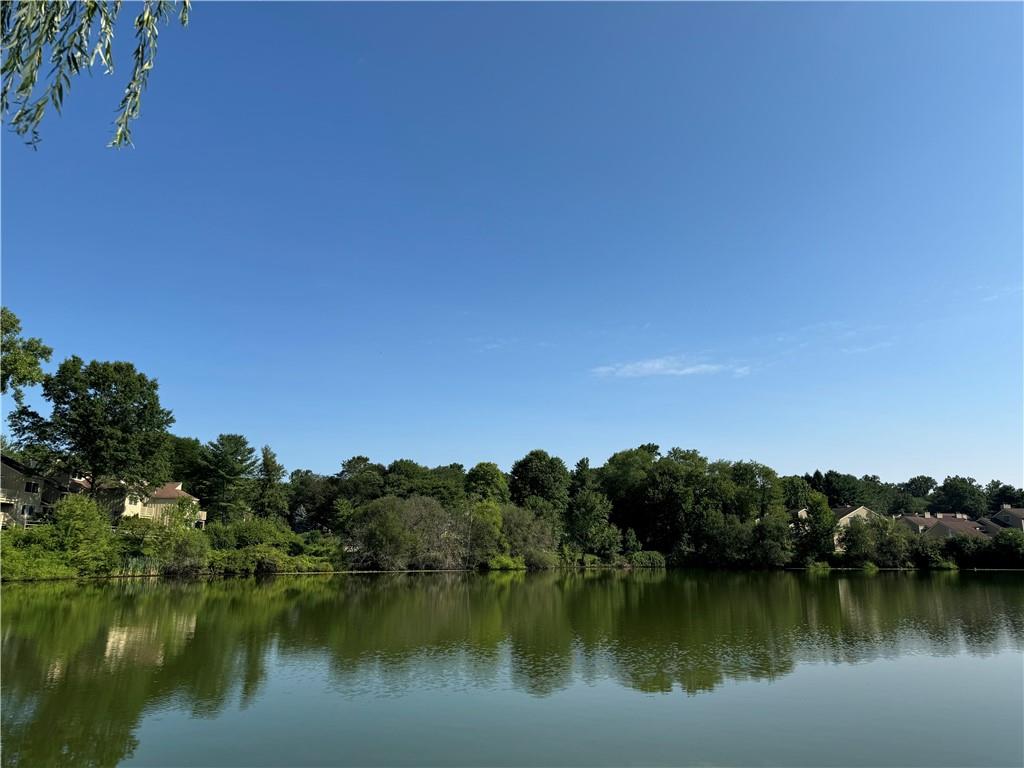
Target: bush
(184, 552)
(1007, 550)
(927, 554)
(819, 568)
(647, 559)
(28, 555)
(221, 536)
(265, 531)
(506, 563)
(83, 533)
(537, 559)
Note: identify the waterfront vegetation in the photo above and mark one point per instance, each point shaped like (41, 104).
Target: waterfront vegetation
(644, 508)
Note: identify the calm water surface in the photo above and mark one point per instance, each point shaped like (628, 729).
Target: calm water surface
(513, 669)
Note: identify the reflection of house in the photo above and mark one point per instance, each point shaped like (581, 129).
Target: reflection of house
(1009, 517)
(158, 504)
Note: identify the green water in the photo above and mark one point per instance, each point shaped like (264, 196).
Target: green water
(514, 669)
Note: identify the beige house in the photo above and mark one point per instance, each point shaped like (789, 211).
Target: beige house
(846, 515)
(158, 504)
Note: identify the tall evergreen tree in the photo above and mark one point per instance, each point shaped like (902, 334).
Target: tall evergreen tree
(227, 468)
(271, 497)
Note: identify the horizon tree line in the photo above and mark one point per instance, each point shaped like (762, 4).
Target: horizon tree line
(107, 423)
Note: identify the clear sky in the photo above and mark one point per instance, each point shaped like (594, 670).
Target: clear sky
(791, 233)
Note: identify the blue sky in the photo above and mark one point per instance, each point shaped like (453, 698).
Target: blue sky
(459, 232)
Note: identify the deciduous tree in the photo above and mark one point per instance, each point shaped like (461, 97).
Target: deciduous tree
(106, 423)
(22, 358)
(72, 36)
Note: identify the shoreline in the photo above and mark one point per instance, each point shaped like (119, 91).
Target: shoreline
(211, 576)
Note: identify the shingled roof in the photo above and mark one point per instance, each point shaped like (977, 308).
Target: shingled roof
(961, 527)
(171, 490)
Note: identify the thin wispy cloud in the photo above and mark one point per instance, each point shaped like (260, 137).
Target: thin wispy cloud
(868, 347)
(667, 366)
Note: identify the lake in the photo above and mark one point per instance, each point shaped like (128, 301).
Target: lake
(594, 668)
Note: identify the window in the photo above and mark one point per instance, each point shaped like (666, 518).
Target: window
(31, 487)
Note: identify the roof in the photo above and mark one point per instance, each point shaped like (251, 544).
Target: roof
(1012, 512)
(81, 482)
(171, 490)
(961, 527)
(841, 512)
(989, 526)
(921, 520)
(17, 465)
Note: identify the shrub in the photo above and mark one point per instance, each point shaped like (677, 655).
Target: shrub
(221, 536)
(537, 559)
(647, 559)
(136, 537)
(259, 559)
(28, 555)
(1007, 550)
(83, 533)
(184, 552)
(506, 563)
(265, 531)
(309, 564)
(927, 554)
(819, 568)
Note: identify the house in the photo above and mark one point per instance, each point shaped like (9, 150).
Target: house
(917, 523)
(798, 514)
(21, 493)
(1009, 517)
(924, 522)
(26, 496)
(157, 505)
(845, 516)
(948, 527)
(989, 526)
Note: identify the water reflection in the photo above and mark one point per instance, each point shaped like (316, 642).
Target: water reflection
(82, 664)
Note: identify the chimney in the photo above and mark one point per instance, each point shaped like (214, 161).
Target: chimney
(1007, 506)
(927, 514)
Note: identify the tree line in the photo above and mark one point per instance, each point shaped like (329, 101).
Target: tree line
(642, 507)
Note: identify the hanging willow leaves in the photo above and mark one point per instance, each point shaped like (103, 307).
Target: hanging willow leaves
(71, 37)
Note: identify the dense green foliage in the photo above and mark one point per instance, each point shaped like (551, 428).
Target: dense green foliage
(642, 508)
(106, 422)
(22, 358)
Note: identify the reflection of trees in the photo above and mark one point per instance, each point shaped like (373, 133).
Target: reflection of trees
(81, 664)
